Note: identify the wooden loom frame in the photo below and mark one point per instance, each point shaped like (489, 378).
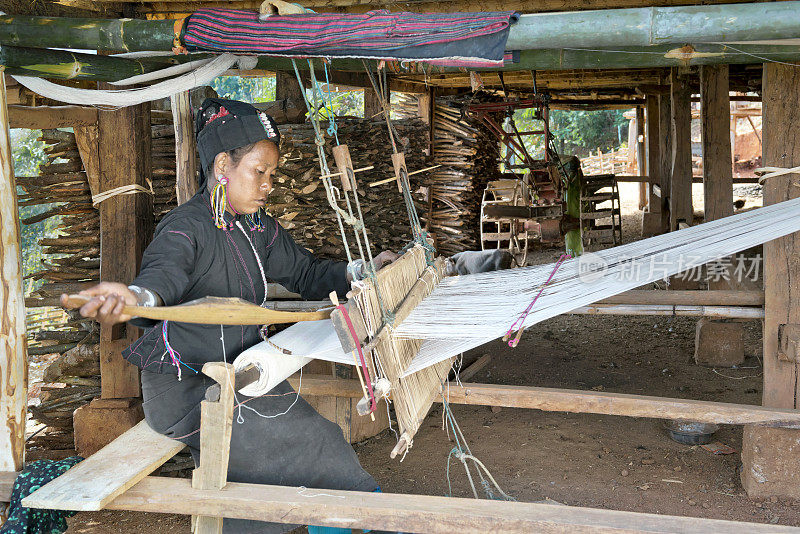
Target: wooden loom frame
(100, 483)
(131, 489)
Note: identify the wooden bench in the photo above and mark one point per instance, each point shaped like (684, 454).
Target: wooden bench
(108, 473)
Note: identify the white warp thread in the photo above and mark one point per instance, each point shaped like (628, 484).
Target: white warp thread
(202, 75)
(174, 70)
(465, 312)
(306, 340)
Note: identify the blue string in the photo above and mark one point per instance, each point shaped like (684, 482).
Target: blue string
(332, 128)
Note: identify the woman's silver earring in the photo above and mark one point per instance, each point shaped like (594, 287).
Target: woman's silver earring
(222, 179)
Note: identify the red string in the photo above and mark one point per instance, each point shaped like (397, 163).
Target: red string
(521, 320)
(357, 343)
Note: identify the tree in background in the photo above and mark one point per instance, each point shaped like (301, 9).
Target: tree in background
(28, 152)
(583, 131)
(262, 89)
(576, 132)
(247, 89)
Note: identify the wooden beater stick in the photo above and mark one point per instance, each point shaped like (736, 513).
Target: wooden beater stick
(335, 300)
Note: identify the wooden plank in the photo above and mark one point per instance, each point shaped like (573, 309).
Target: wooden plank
(576, 401)
(7, 479)
(216, 425)
(476, 366)
(13, 347)
(781, 259)
(409, 513)
(185, 147)
(126, 227)
(680, 196)
(108, 473)
(37, 118)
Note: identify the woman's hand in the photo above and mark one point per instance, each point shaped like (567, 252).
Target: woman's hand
(107, 303)
(384, 258)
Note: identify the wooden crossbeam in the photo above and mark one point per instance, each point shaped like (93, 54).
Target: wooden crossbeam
(40, 117)
(96, 481)
(577, 401)
(407, 513)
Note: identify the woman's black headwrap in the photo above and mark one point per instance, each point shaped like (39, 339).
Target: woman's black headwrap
(222, 125)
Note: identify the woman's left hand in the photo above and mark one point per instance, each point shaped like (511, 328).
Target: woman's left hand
(384, 258)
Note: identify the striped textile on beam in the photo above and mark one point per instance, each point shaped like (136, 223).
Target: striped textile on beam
(466, 39)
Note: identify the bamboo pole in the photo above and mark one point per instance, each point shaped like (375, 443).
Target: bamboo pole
(720, 312)
(643, 27)
(87, 33)
(646, 26)
(13, 358)
(75, 65)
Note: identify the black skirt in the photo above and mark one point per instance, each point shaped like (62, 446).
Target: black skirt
(295, 448)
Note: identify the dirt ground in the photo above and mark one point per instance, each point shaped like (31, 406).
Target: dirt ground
(575, 459)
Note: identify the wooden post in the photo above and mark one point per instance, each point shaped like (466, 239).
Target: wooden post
(771, 457)
(651, 218)
(424, 107)
(287, 88)
(716, 343)
(681, 180)
(185, 147)
(715, 116)
(781, 258)
(13, 348)
(216, 425)
(126, 227)
(641, 164)
(372, 105)
(665, 155)
(653, 150)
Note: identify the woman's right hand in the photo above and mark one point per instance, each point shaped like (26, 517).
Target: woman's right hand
(108, 299)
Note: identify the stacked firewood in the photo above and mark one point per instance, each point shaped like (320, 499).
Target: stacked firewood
(299, 200)
(469, 156)
(72, 262)
(163, 168)
(71, 375)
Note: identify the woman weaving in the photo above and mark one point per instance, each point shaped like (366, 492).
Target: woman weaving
(221, 243)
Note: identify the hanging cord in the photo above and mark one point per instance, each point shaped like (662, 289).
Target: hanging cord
(418, 234)
(356, 222)
(174, 355)
(462, 452)
(349, 218)
(323, 161)
(333, 129)
(521, 320)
